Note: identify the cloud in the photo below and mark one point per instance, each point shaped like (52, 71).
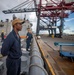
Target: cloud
(67, 28)
(32, 16)
(34, 26)
(72, 30)
(20, 1)
(69, 20)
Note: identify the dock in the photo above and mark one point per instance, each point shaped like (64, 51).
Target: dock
(43, 57)
(55, 64)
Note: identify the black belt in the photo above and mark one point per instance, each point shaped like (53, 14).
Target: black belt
(13, 58)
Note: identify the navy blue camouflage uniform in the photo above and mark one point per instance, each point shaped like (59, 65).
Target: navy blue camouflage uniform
(12, 49)
(2, 37)
(28, 40)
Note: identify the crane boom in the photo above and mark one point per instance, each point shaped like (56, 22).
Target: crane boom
(20, 10)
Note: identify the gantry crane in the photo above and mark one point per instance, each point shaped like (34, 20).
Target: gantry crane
(52, 10)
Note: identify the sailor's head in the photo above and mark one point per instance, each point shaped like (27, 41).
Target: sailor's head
(17, 23)
(29, 30)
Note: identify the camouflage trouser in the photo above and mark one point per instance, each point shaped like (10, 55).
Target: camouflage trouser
(13, 66)
(28, 44)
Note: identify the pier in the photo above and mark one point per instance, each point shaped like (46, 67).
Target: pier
(48, 54)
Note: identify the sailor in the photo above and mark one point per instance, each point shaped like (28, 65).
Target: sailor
(2, 36)
(28, 39)
(11, 48)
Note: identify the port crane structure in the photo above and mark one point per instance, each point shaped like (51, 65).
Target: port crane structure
(48, 13)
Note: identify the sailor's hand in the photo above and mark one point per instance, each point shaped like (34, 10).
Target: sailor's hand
(26, 36)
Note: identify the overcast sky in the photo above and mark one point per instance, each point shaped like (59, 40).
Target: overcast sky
(8, 4)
